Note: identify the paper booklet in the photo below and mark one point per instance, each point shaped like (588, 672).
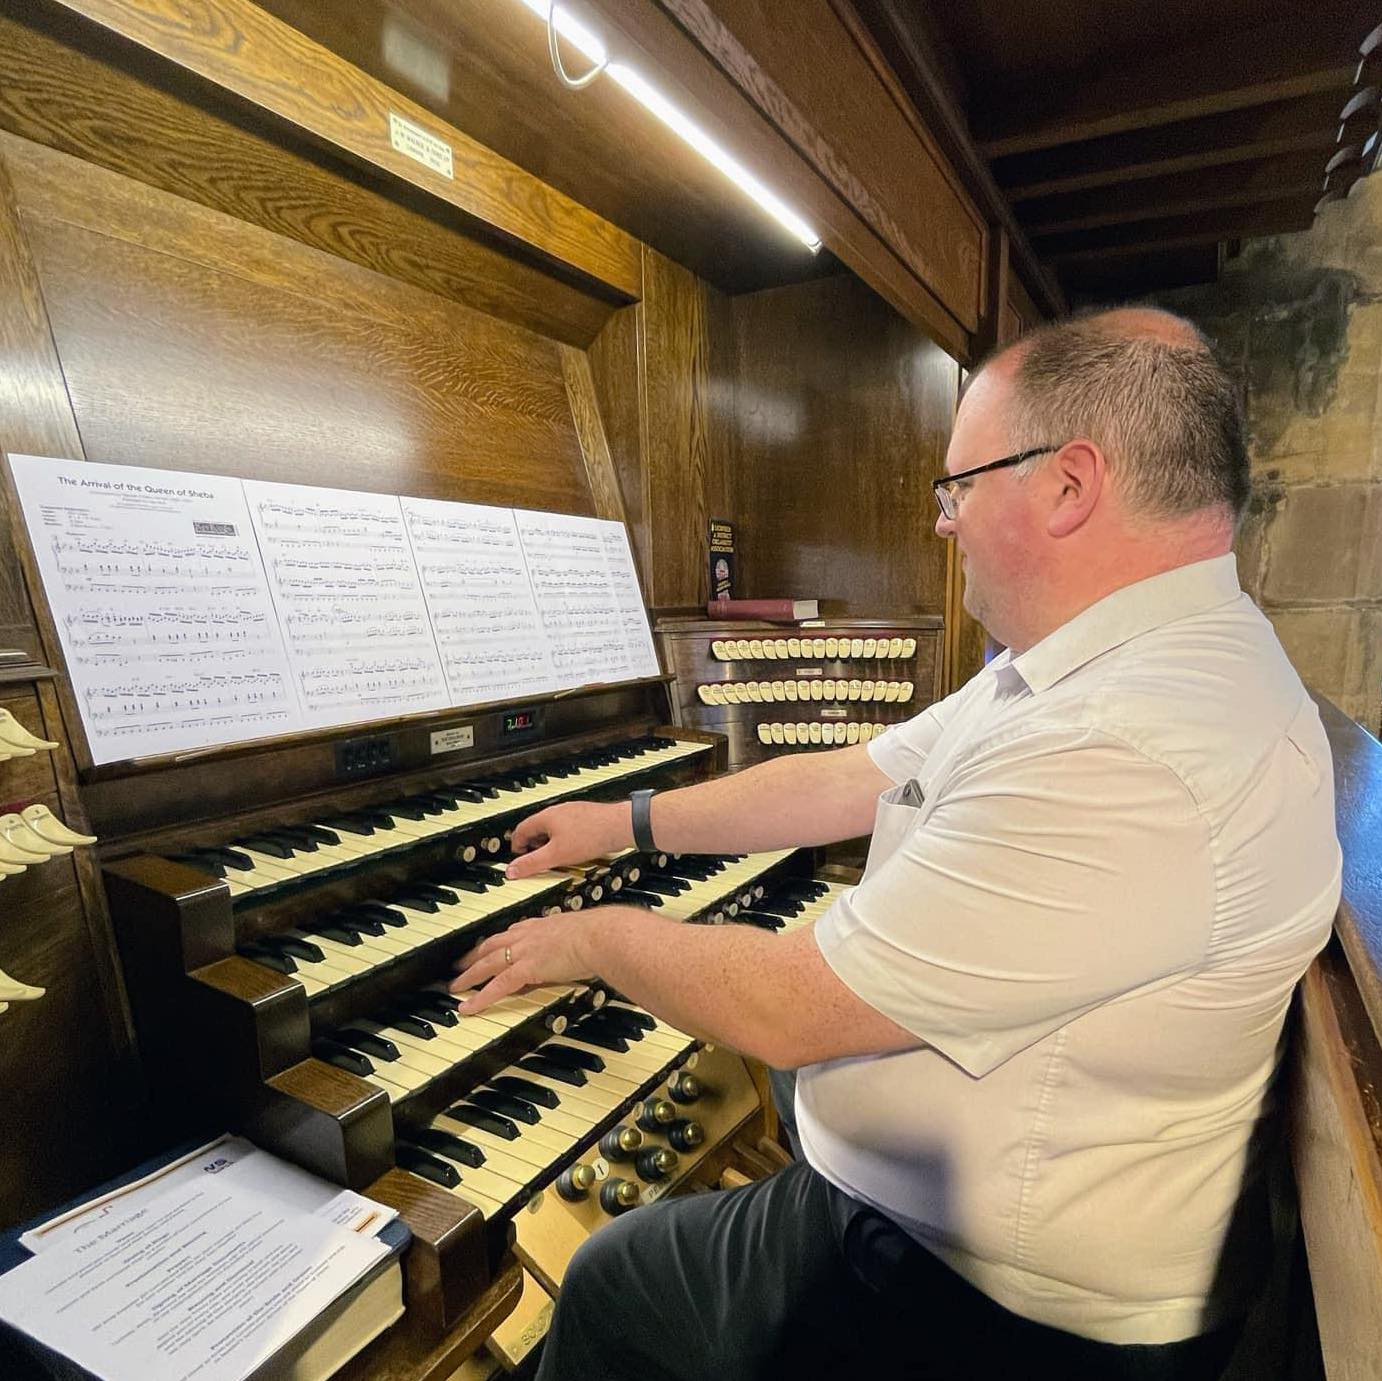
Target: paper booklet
(207, 1268)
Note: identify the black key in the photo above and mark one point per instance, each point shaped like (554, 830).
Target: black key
(444, 1144)
(414, 1025)
(633, 896)
(629, 1014)
(605, 1020)
(516, 1109)
(342, 1056)
(423, 1163)
(370, 1042)
(571, 1057)
(206, 862)
(417, 902)
(526, 1089)
(434, 893)
(602, 1036)
(406, 811)
(466, 882)
(350, 824)
(322, 836)
(377, 911)
(761, 919)
(340, 932)
(355, 922)
(494, 1123)
(297, 840)
(297, 945)
(262, 844)
(466, 793)
(283, 963)
(662, 886)
(550, 1069)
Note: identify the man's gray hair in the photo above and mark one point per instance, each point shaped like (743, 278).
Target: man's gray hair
(1156, 402)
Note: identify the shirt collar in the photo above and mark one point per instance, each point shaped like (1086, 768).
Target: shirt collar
(1125, 614)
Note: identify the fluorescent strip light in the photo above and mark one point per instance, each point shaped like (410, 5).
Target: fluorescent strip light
(679, 123)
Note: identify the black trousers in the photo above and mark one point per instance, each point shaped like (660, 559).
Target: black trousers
(790, 1279)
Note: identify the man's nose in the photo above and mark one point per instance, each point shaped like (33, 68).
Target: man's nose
(945, 527)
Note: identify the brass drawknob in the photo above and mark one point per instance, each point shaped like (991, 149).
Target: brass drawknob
(656, 1113)
(620, 1142)
(618, 1196)
(685, 1134)
(656, 1163)
(685, 1088)
(576, 1181)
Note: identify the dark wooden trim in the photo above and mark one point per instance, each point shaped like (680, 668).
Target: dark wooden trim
(1271, 218)
(241, 49)
(996, 277)
(1237, 136)
(891, 35)
(1184, 194)
(1291, 58)
(590, 428)
(1358, 807)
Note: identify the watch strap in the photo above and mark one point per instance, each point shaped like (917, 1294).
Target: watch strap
(642, 803)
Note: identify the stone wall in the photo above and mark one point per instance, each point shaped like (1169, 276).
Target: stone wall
(1299, 319)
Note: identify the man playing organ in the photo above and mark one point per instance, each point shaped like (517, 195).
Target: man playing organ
(1035, 1044)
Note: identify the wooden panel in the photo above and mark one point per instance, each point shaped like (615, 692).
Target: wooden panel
(813, 81)
(1338, 1174)
(676, 353)
(65, 1059)
(319, 371)
(663, 387)
(241, 49)
(484, 67)
(662, 49)
(590, 427)
(33, 402)
(843, 415)
(107, 108)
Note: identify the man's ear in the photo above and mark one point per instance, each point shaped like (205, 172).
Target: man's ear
(1076, 474)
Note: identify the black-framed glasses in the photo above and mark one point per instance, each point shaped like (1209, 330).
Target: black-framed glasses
(945, 495)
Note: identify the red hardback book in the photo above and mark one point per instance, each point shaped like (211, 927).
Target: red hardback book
(772, 610)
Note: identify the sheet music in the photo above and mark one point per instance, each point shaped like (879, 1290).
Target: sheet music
(475, 581)
(342, 576)
(159, 596)
(583, 604)
(628, 601)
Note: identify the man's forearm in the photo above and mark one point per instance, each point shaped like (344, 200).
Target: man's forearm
(719, 983)
(815, 798)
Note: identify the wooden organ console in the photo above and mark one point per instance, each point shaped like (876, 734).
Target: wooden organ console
(287, 957)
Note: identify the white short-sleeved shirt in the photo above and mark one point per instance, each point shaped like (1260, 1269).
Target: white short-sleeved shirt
(1123, 860)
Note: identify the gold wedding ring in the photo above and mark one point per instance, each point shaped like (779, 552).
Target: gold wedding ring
(508, 955)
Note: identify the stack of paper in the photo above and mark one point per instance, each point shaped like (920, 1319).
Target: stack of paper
(206, 1268)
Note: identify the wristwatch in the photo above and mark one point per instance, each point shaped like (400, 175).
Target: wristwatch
(642, 803)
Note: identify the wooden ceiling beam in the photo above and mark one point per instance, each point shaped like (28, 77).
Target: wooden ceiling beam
(1208, 189)
(1280, 129)
(1280, 61)
(1144, 237)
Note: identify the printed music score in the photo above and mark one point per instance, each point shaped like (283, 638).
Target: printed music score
(196, 611)
(582, 587)
(476, 584)
(160, 601)
(343, 579)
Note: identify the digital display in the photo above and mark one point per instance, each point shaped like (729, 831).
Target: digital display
(520, 721)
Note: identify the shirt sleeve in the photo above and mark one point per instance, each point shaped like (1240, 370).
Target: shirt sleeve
(1054, 873)
(901, 751)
